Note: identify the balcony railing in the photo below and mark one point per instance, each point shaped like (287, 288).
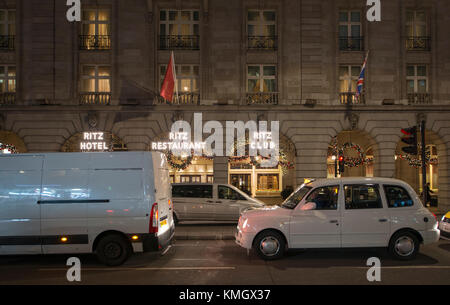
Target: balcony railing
(263, 43)
(7, 42)
(262, 98)
(95, 42)
(7, 98)
(350, 98)
(95, 98)
(179, 42)
(355, 43)
(418, 43)
(183, 98)
(419, 98)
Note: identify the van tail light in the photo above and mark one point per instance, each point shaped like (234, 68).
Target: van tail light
(154, 219)
(435, 217)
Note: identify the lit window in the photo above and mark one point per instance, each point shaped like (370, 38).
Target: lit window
(95, 30)
(96, 79)
(261, 78)
(7, 79)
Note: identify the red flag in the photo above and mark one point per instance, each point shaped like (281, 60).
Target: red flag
(169, 83)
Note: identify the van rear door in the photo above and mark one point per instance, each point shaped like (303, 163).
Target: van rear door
(163, 196)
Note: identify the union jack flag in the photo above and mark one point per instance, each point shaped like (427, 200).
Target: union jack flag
(360, 83)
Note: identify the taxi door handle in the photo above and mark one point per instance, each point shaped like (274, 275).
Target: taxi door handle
(382, 220)
(333, 221)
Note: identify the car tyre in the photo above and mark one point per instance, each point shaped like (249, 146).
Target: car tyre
(113, 250)
(404, 245)
(269, 245)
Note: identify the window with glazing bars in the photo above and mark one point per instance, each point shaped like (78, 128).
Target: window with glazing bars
(7, 29)
(350, 38)
(95, 30)
(262, 29)
(179, 29)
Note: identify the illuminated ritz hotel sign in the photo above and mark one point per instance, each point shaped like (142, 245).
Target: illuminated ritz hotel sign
(93, 141)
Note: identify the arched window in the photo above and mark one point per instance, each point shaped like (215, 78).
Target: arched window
(11, 143)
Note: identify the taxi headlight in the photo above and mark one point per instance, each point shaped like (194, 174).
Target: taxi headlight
(245, 223)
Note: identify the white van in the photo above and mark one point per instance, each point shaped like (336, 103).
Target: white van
(110, 204)
(342, 213)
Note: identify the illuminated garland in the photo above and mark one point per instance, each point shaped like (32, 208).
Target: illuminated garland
(8, 147)
(354, 162)
(179, 163)
(418, 162)
(256, 161)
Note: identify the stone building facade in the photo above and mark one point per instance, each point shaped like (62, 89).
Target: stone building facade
(294, 61)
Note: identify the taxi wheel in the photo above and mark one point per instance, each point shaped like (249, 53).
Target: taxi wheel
(113, 250)
(269, 245)
(404, 245)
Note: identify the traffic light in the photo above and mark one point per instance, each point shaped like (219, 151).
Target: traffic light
(341, 164)
(410, 139)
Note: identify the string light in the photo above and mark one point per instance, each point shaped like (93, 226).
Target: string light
(8, 149)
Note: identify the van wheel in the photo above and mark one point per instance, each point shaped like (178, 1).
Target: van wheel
(404, 246)
(113, 250)
(269, 245)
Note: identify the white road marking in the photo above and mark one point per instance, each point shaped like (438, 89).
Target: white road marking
(192, 259)
(144, 269)
(397, 267)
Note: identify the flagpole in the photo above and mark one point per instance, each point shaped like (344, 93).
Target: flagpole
(358, 93)
(365, 65)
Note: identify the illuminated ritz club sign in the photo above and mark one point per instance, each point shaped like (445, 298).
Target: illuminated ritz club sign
(262, 140)
(93, 141)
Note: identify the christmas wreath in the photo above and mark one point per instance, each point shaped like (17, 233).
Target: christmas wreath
(178, 163)
(350, 161)
(12, 149)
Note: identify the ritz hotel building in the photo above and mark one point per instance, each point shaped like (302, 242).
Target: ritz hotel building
(292, 61)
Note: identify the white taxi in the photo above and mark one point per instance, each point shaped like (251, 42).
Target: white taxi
(444, 225)
(341, 213)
